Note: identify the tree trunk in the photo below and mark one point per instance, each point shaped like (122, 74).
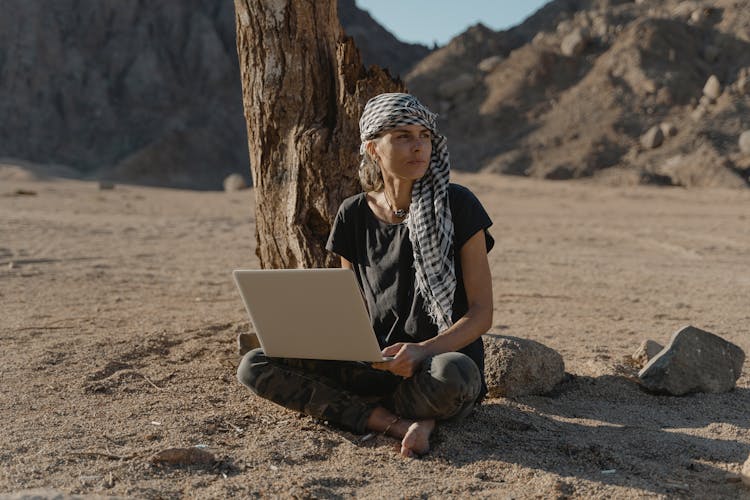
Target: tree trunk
(303, 90)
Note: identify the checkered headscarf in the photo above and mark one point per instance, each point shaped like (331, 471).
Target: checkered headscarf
(429, 222)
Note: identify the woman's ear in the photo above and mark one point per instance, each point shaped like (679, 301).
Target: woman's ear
(370, 148)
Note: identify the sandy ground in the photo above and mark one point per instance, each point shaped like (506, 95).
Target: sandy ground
(119, 320)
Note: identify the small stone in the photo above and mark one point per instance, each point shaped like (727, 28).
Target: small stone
(234, 182)
(668, 129)
(744, 142)
(11, 265)
(246, 342)
(106, 185)
(489, 64)
(520, 367)
(653, 138)
(698, 16)
(573, 43)
(646, 351)
(183, 456)
(712, 88)
(746, 472)
(694, 361)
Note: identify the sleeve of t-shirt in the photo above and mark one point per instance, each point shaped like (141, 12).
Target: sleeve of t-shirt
(341, 240)
(469, 217)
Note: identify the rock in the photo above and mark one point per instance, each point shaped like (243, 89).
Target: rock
(653, 138)
(183, 456)
(646, 352)
(668, 129)
(573, 43)
(745, 474)
(519, 367)
(234, 182)
(694, 361)
(106, 185)
(744, 142)
(698, 16)
(246, 342)
(489, 64)
(712, 88)
(456, 86)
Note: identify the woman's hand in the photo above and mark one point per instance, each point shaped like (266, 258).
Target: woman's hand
(406, 359)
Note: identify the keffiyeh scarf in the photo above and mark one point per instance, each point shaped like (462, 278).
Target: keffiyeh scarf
(430, 224)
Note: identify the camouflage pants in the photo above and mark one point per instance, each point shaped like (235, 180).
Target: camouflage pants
(345, 393)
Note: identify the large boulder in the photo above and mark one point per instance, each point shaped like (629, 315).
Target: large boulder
(694, 361)
(520, 367)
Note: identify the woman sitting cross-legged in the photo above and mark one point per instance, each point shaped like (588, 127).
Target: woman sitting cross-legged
(418, 247)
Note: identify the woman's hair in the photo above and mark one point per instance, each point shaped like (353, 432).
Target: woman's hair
(370, 175)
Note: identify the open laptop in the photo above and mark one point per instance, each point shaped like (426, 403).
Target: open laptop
(309, 313)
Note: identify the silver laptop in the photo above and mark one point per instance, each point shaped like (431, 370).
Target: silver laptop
(309, 313)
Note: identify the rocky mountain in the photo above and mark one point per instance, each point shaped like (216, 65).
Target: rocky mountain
(628, 92)
(144, 91)
(624, 91)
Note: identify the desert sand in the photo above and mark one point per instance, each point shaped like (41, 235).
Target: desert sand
(119, 320)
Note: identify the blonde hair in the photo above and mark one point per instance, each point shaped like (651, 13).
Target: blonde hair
(370, 175)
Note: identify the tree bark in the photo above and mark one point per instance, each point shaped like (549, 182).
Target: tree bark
(303, 90)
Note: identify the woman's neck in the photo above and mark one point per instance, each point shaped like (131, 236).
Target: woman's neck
(398, 193)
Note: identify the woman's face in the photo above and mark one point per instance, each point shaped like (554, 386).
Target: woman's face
(403, 152)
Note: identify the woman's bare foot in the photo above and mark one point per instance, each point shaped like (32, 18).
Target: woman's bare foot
(417, 438)
(414, 435)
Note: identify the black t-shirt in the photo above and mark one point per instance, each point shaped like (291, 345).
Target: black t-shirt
(383, 262)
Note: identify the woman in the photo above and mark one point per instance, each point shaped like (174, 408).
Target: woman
(418, 247)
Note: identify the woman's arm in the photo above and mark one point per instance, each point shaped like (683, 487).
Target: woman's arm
(476, 321)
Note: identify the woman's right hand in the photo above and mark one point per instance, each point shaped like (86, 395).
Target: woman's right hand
(406, 359)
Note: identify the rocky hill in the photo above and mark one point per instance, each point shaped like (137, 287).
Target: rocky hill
(619, 90)
(138, 91)
(628, 92)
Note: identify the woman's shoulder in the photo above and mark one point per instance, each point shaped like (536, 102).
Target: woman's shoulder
(459, 194)
(352, 204)
(355, 199)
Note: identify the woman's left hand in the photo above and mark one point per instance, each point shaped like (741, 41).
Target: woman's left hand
(406, 359)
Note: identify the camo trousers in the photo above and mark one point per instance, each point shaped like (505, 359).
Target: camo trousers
(345, 393)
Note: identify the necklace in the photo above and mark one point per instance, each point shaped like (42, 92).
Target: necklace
(401, 213)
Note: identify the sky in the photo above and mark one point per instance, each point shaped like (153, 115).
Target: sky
(429, 21)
